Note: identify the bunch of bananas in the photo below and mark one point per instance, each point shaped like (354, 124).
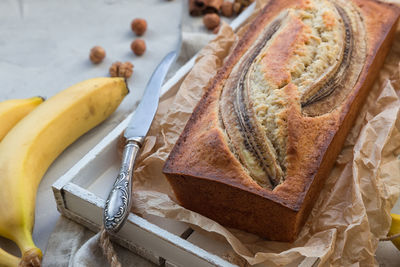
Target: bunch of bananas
(12, 111)
(31, 138)
(395, 229)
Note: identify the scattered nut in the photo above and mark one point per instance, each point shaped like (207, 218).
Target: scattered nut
(211, 21)
(121, 144)
(139, 26)
(244, 3)
(97, 54)
(138, 47)
(119, 69)
(201, 7)
(227, 9)
(237, 8)
(241, 5)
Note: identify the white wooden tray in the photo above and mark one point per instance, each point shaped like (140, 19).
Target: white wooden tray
(80, 195)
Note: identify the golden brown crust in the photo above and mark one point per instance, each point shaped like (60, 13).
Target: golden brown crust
(276, 58)
(208, 178)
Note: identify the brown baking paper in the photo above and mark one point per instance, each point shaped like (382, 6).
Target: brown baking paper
(353, 210)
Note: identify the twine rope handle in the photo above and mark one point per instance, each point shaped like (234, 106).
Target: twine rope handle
(108, 248)
(390, 238)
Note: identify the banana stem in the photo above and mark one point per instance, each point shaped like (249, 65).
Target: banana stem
(31, 255)
(31, 258)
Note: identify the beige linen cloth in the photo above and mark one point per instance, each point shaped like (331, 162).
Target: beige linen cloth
(353, 210)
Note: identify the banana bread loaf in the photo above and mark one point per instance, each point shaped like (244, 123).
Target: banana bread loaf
(263, 138)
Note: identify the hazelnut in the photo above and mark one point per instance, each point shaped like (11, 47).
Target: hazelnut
(138, 47)
(227, 9)
(119, 69)
(237, 8)
(211, 21)
(245, 3)
(97, 54)
(139, 26)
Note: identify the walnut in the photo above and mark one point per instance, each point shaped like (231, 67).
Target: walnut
(121, 144)
(211, 21)
(119, 69)
(200, 7)
(227, 9)
(97, 54)
(138, 47)
(139, 26)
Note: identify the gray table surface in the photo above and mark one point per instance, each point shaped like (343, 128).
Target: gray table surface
(44, 48)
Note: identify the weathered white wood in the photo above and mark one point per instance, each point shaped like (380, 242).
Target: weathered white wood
(80, 195)
(137, 234)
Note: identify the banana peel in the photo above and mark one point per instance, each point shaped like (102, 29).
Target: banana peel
(13, 110)
(6, 259)
(35, 142)
(395, 229)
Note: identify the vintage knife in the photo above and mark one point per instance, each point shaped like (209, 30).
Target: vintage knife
(118, 203)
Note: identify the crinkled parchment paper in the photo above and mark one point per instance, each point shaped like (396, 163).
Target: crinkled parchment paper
(353, 210)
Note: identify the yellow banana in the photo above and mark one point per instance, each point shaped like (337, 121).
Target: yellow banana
(32, 145)
(13, 110)
(7, 259)
(395, 229)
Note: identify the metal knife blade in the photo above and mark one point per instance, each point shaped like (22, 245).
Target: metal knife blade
(118, 204)
(144, 114)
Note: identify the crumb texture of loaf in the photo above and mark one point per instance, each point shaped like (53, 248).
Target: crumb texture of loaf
(263, 138)
(311, 48)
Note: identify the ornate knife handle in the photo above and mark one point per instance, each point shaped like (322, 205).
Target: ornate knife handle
(118, 203)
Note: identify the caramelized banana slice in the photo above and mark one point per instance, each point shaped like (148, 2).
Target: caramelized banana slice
(311, 48)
